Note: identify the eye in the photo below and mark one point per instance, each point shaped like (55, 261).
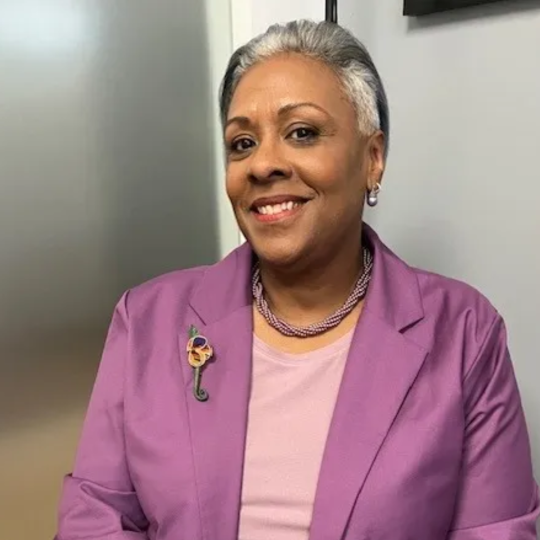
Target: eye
(303, 134)
(241, 145)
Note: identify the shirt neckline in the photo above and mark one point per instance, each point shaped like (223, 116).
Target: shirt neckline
(324, 353)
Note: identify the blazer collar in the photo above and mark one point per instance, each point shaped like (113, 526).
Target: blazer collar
(393, 295)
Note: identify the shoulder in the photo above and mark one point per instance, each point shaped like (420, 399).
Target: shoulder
(204, 292)
(459, 314)
(450, 297)
(444, 305)
(455, 323)
(167, 294)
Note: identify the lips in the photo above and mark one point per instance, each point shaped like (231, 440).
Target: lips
(277, 205)
(278, 210)
(270, 209)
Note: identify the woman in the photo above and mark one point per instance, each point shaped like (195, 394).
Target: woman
(312, 384)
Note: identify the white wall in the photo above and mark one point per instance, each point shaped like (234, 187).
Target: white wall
(279, 11)
(462, 190)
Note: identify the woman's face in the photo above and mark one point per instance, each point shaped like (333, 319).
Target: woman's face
(297, 167)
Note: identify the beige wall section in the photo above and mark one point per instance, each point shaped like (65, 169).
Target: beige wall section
(37, 456)
(42, 411)
(109, 175)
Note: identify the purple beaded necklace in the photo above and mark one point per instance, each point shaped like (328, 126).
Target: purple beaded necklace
(357, 294)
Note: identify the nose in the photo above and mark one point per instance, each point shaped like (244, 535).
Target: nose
(268, 163)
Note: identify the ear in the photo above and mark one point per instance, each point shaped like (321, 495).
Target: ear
(376, 148)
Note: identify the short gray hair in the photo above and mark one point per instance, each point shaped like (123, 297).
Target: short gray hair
(330, 44)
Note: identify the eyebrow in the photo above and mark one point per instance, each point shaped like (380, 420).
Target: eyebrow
(283, 111)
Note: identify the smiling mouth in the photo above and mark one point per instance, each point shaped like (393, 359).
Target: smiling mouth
(277, 212)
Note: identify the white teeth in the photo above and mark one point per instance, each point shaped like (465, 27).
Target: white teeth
(271, 209)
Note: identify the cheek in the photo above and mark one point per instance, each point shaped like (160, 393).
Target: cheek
(330, 170)
(342, 188)
(233, 182)
(353, 174)
(331, 180)
(323, 174)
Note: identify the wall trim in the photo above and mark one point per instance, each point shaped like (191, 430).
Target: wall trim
(241, 22)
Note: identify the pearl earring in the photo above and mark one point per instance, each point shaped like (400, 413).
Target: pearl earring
(373, 195)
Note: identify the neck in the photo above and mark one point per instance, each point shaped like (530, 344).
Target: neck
(307, 295)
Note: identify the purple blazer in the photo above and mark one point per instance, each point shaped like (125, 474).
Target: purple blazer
(428, 439)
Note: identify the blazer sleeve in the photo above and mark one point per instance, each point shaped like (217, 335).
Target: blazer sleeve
(498, 497)
(98, 500)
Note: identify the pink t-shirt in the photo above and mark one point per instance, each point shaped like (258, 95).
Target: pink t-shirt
(290, 410)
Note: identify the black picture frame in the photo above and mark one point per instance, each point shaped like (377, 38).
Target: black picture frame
(417, 8)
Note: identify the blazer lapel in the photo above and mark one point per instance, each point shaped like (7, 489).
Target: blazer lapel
(218, 426)
(381, 367)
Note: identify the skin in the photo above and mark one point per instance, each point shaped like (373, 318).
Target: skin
(292, 130)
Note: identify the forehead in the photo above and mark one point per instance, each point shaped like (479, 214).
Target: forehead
(286, 79)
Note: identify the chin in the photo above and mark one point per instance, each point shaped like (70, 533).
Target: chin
(278, 253)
